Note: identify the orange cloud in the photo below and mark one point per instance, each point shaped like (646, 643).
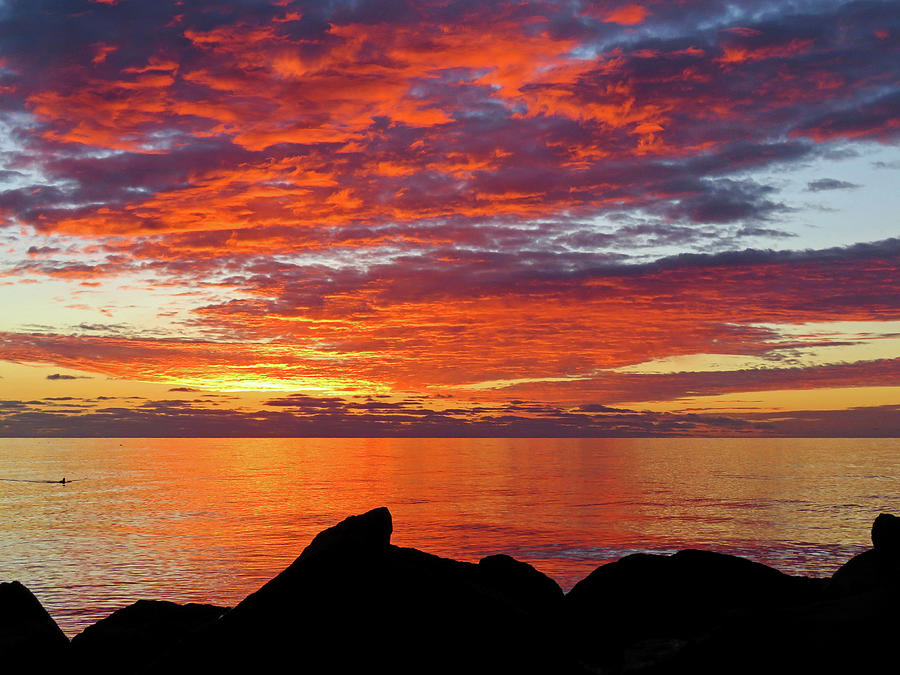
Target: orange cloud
(627, 15)
(101, 51)
(411, 330)
(742, 54)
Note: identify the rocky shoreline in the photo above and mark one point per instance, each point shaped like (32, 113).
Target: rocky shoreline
(354, 603)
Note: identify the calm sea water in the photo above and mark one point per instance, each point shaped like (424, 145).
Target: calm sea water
(210, 520)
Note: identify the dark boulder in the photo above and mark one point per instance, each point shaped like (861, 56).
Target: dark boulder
(849, 628)
(137, 633)
(853, 634)
(521, 585)
(352, 602)
(370, 531)
(30, 640)
(875, 569)
(646, 599)
(869, 571)
(886, 535)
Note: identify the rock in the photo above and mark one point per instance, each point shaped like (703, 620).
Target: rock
(727, 582)
(850, 628)
(30, 640)
(137, 633)
(875, 569)
(521, 585)
(863, 573)
(370, 531)
(886, 534)
(852, 634)
(352, 602)
(676, 599)
(647, 655)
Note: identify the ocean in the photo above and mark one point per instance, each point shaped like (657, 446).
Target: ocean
(211, 520)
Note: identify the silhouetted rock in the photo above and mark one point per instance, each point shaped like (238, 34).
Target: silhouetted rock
(671, 600)
(875, 569)
(30, 640)
(651, 654)
(854, 634)
(352, 602)
(137, 633)
(886, 534)
(863, 573)
(850, 628)
(521, 585)
(370, 531)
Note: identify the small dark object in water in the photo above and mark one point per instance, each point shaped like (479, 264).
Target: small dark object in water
(64, 481)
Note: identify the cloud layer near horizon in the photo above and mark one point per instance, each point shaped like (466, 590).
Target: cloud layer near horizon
(514, 199)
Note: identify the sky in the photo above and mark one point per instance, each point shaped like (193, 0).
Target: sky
(449, 218)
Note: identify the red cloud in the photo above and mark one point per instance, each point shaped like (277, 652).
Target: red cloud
(627, 15)
(738, 54)
(404, 121)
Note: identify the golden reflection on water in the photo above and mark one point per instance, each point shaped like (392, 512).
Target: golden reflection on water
(212, 519)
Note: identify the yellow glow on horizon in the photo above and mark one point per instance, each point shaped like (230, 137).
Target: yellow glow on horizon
(871, 340)
(225, 384)
(25, 381)
(777, 400)
(32, 381)
(503, 384)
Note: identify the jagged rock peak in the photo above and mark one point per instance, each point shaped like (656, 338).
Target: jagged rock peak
(369, 530)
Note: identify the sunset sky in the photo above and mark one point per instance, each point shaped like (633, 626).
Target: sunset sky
(449, 218)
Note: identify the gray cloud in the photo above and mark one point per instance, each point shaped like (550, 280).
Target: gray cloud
(829, 184)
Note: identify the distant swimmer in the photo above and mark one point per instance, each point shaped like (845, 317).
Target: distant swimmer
(63, 481)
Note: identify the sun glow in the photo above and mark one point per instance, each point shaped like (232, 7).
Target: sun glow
(236, 383)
